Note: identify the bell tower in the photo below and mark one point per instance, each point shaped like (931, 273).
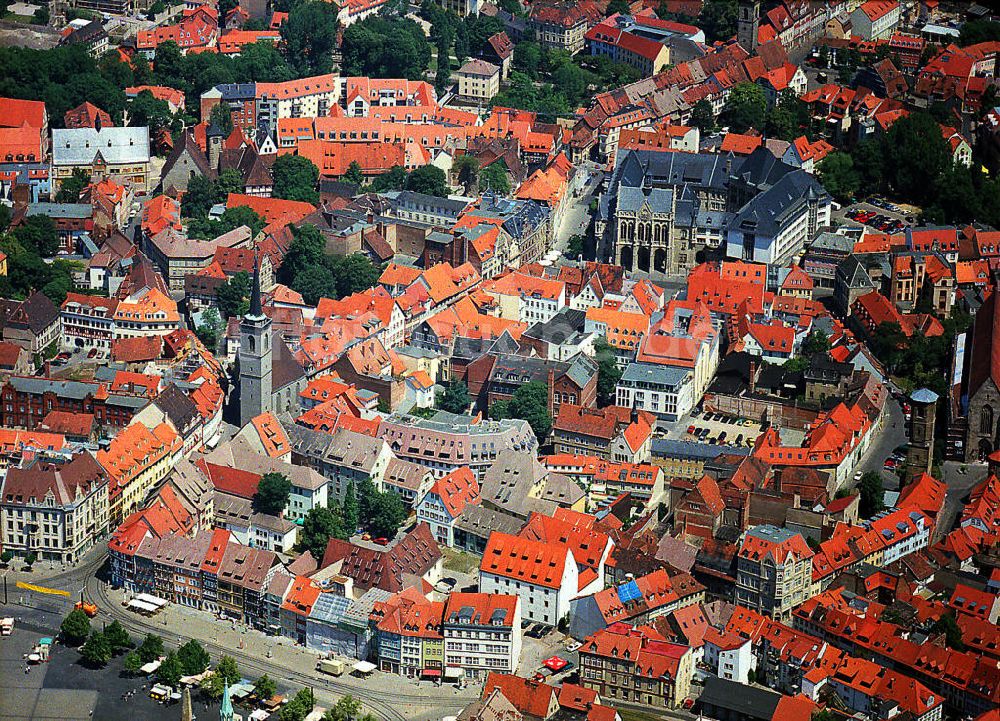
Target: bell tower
(255, 356)
(747, 23)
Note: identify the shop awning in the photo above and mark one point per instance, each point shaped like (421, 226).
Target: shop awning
(454, 672)
(364, 667)
(555, 663)
(433, 672)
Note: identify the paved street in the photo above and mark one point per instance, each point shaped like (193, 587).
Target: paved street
(387, 695)
(576, 218)
(893, 435)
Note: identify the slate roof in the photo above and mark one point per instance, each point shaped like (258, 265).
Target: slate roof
(79, 146)
(772, 209)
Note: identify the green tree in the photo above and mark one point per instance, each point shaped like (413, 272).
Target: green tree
(315, 283)
(350, 511)
(38, 233)
(265, 687)
(465, 168)
(193, 658)
(393, 179)
(530, 402)
(745, 108)
(388, 514)
(494, 178)
(575, 247)
(151, 648)
(132, 664)
(608, 372)
(816, 342)
(948, 625)
(620, 7)
(915, 155)
(75, 628)
(305, 251)
(170, 671)
(30, 559)
(528, 58)
(354, 174)
(384, 47)
(222, 118)
(199, 198)
(867, 161)
(227, 671)
(352, 273)
(147, 110)
(837, 173)
(298, 707)
(455, 398)
(318, 527)
(309, 37)
(8, 555)
(872, 492)
(295, 178)
(702, 116)
(347, 708)
(272, 494)
(117, 636)
(230, 181)
(429, 180)
(718, 19)
(71, 188)
(210, 329)
(96, 651)
(979, 31)
(233, 295)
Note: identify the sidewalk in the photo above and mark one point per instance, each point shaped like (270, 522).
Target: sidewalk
(274, 650)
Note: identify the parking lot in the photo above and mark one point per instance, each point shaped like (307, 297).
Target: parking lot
(715, 428)
(879, 215)
(539, 643)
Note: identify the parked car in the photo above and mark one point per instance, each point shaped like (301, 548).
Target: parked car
(691, 429)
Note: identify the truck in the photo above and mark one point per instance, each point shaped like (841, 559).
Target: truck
(332, 666)
(6, 626)
(88, 608)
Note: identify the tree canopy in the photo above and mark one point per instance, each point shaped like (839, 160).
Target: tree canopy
(379, 512)
(97, 651)
(745, 108)
(298, 707)
(233, 296)
(494, 178)
(455, 398)
(915, 156)
(295, 178)
(309, 37)
(608, 372)
(272, 494)
(530, 402)
(151, 648)
(170, 671)
(75, 628)
(226, 671)
(429, 180)
(318, 527)
(872, 490)
(837, 173)
(193, 658)
(385, 47)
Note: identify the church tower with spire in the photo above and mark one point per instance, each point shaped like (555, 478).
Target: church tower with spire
(226, 711)
(255, 356)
